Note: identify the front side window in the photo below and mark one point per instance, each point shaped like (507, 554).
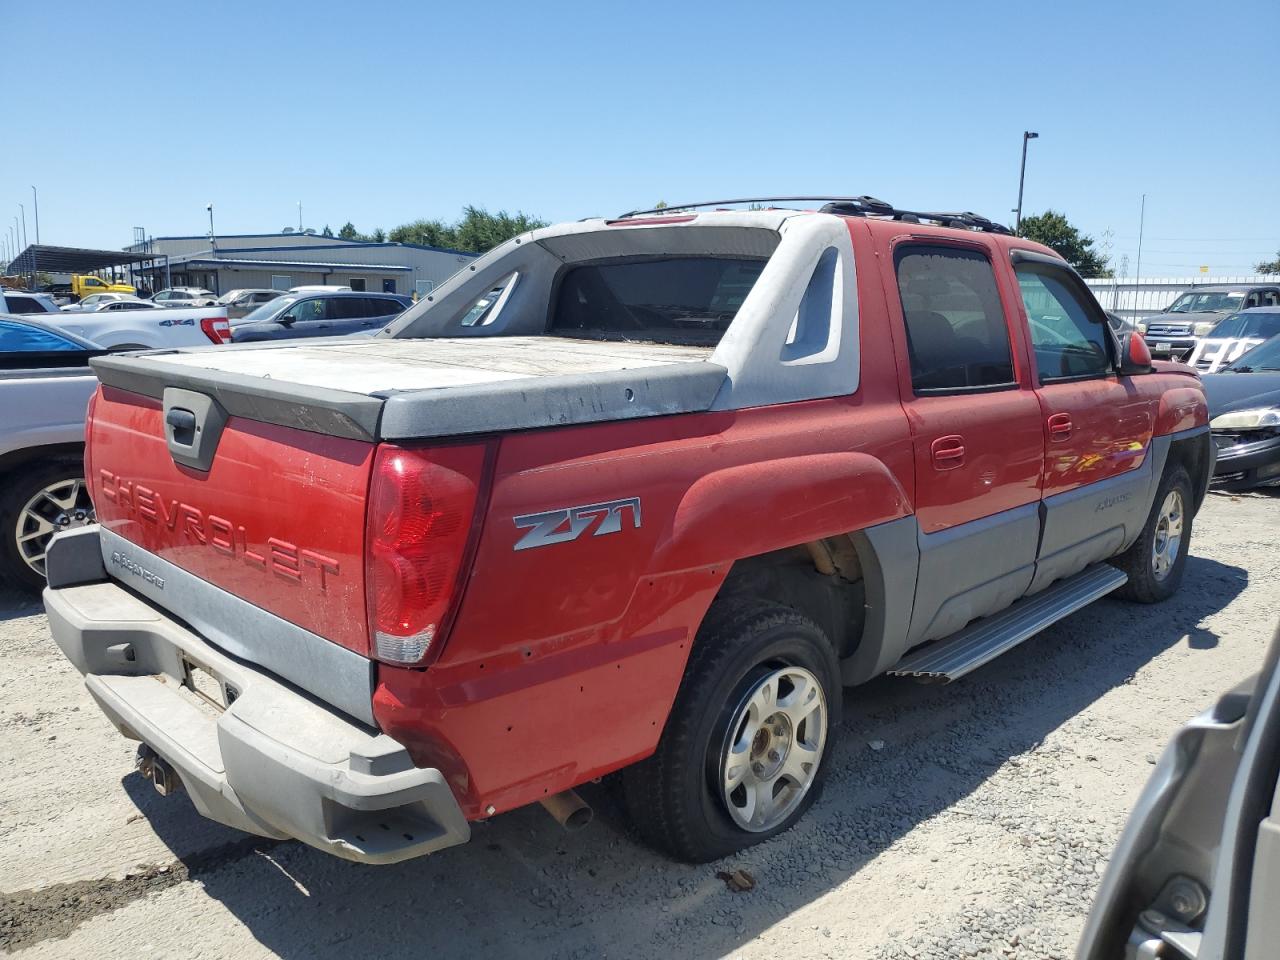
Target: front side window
(24, 305)
(308, 311)
(1069, 343)
(957, 336)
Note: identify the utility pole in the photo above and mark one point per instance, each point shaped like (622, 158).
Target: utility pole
(35, 200)
(1137, 270)
(1022, 176)
(299, 216)
(213, 239)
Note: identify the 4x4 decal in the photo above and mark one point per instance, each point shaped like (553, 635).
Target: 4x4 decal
(568, 523)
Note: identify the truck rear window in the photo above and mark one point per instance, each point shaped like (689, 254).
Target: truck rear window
(685, 300)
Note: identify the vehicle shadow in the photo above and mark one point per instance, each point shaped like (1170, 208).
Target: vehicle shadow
(15, 602)
(525, 887)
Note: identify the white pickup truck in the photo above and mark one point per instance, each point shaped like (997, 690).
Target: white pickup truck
(142, 329)
(147, 329)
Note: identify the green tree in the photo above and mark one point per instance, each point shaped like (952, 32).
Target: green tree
(348, 232)
(1269, 266)
(379, 236)
(1054, 230)
(477, 231)
(327, 231)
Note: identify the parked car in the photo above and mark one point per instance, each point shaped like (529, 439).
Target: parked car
(45, 386)
(147, 327)
(20, 301)
(186, 297)
(1244, 404)
(1235, 335)
(242, 302)
(1174, 332)
(95, 300)
(1196, 872)
(647, 510)
(321, 314)
(118, 305)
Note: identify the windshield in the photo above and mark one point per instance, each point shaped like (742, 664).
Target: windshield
(268, 311)
(1265, 356)
(229, 296)
(1240, 325)
(1208, 301)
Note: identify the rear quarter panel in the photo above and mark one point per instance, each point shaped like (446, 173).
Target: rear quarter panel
(39, 410)
(564, 659)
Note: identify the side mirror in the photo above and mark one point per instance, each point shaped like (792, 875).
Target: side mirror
(286, 320)
(1135, 358)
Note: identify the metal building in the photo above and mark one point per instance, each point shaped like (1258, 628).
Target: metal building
(283, 260)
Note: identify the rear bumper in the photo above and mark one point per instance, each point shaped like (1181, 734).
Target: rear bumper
(274, 762)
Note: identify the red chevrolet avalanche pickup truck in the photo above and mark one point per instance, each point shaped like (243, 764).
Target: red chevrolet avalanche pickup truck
(635, 495)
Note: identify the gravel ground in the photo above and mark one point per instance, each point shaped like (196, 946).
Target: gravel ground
(967, 820)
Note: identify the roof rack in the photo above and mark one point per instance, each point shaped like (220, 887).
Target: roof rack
(863, 206)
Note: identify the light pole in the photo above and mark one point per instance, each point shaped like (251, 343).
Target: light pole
(1022, 176)
(24, 224)
(35, 200)
(213, 240)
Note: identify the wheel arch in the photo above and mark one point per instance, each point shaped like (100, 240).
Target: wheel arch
(13, 459)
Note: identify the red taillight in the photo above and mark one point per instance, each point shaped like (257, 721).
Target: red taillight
(217, 329)
(422, 510)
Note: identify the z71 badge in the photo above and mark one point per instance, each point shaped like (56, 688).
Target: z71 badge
(569, 523)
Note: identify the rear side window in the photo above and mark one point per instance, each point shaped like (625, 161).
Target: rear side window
(670, 300)
(957, 336)
(1069, 343)
(24, 305)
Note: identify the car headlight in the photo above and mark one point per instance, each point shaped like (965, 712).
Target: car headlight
(1247, 419)
(1204, 328)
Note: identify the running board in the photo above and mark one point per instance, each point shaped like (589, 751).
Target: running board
(980, 642)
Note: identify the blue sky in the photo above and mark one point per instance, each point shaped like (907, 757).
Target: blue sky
(381, 113)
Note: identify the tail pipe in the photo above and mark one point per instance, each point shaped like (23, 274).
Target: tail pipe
(568, 809)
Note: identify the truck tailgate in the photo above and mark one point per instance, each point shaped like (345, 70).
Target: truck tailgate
(277, 520)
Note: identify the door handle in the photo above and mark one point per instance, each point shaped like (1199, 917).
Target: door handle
(1060, 426)
(948, 452)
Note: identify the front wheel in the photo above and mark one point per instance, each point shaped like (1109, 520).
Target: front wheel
(1156, 561)
(744, 750)
(39, 500)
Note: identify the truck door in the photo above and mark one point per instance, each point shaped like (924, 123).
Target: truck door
(976, 433)
(1097, 425)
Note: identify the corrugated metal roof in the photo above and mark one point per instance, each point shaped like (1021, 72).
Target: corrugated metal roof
(295, 264)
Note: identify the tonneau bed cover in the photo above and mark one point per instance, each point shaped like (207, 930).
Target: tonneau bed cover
(388, 389)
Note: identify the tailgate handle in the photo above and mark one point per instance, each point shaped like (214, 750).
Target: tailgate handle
(193, 424)
(184, 425)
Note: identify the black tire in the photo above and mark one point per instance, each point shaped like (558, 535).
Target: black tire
(16, 490)
(1147, 584)
(674, 797)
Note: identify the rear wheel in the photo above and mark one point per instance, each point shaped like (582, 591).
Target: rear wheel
(36, 502)
(743, 753)
(1156, 560)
